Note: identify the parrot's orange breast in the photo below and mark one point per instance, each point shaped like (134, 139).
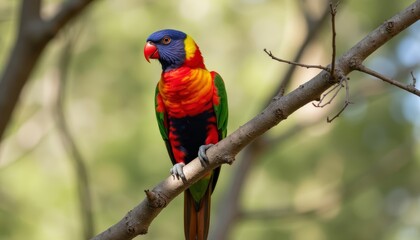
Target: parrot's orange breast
(186, 91)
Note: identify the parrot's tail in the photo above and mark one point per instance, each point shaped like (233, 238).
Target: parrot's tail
(197, 216)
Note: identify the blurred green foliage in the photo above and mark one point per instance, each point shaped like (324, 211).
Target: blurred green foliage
(356, 178)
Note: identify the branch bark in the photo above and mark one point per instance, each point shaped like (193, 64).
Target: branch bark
(33, 35)
(138, 220)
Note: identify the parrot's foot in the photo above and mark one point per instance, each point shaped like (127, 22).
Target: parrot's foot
(177, 171)
(202, 154)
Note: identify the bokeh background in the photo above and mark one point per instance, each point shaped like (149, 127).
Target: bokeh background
(355, 178)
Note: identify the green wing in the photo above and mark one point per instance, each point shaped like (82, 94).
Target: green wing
(161, 116)
(162, 120)
(221, 109)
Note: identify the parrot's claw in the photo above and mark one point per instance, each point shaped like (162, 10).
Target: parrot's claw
(177, 171)
(202, 154)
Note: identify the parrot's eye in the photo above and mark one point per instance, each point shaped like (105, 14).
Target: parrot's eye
(166, 40)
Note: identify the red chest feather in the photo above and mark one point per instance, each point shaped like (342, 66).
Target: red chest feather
(186, 91)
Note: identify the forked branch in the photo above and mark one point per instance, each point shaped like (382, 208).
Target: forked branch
(333, 74)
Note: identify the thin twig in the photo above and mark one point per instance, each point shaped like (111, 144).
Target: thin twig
(410, 87)
(314, 26)
(333, 11)
(346, 101)
(413, 84)
(294, 63)
(337, 87)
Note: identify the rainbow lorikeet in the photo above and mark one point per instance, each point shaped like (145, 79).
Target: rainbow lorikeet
(192, 113)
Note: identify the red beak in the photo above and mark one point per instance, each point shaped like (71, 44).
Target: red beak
(150, 51)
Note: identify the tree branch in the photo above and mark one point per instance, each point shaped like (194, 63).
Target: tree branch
(67, 11)
(138, 220)
(294, 63)
(410, 87)
(32, 37)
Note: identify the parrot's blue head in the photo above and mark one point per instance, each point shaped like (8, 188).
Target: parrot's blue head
(168, 46)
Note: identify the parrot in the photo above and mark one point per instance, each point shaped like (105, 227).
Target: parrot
(192, 114)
